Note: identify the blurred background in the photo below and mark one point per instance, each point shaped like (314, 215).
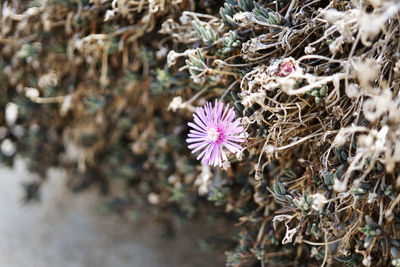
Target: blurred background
(85, 87)
(67, 229)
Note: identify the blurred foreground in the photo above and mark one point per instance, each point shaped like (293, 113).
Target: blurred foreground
(64, 229)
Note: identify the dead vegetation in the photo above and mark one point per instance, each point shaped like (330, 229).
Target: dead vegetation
(104, 88)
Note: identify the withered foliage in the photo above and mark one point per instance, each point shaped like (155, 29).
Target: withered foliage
(104, 89)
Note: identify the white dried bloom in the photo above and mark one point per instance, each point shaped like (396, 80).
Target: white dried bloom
(370, 111)
(175, 104)
(258, 175)
(66, 105)
(110, 14)
(367, 261)
(345, 251)
(396, 262)
(226, 165)
(339, 186)
(35, 64)
(287, 84)
(138, 147)
(155, 6)
(172, 179)
(375, 107)
(8, 148)
(245, 121)
(240, 155)
(380, 143)
(335, 46)
(289, 235)
(367, 71)
(353, 91)
(269, 149)
(370, 26)
(32, 11)
(203, 179)
(11, 113)
(161, 52)
(254, 98)
(365, 141)
(340, 139)
(153, 198)
(31, 93)
(371, 197)
(309, 50)
(319, 202)
(185, 19)
(171, 58)
(243, 19)
(332, 15)
(49, 79)
(314, 252)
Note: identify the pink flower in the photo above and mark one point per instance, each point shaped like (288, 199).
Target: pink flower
(213, 130)
(286, 68)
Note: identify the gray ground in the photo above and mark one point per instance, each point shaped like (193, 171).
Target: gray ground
(65, 230)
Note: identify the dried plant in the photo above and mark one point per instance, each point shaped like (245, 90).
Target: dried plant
(105, 88)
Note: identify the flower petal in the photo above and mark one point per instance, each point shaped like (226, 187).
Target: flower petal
(197, 146)
(202, 115)
(204, 152)
(197, 135)
(232, 147)
(192, 140)
(194, 126)
(199, 122)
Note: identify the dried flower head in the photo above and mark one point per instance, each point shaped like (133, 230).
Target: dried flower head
(11, 113)
(215, 128)
(319, 202)
(287, 68)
